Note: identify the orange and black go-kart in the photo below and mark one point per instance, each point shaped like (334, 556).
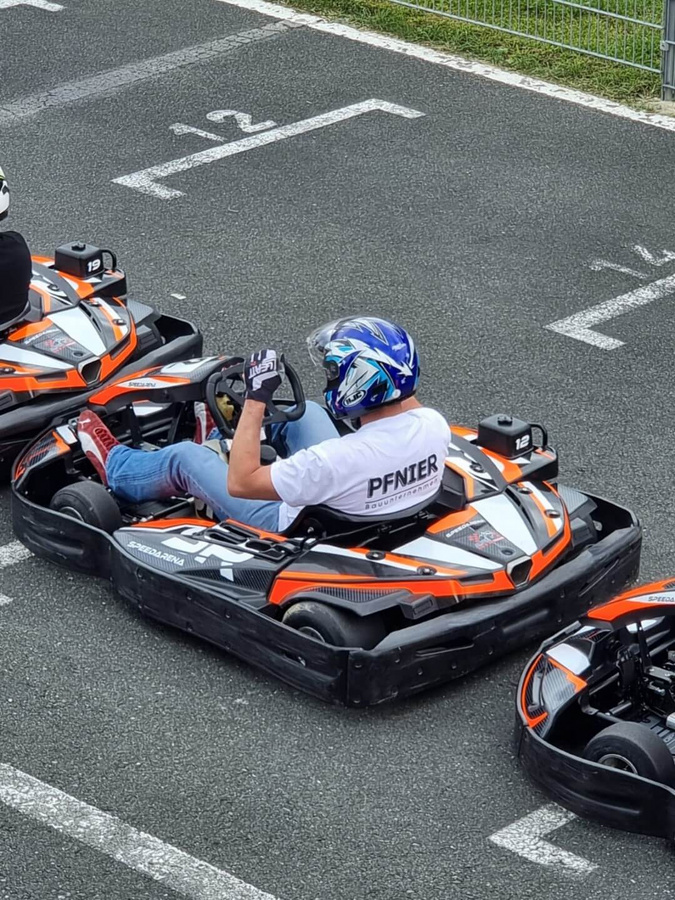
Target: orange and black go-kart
(78, 331)
(353, 609)
(596, 713)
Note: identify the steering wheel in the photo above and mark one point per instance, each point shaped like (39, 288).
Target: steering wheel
(229, 382)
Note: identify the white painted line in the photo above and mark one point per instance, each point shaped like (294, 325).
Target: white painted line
(10, 554)
(179, 128)
(599, 264)
(13, 553)
(579, 326)
(417, 51)
(179, 296)
(525, 838)
(111, 81)
(168, 865)
(665, 256)
(145, 181)
(41, 4)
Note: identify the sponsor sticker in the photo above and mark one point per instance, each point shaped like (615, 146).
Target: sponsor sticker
(157, 554)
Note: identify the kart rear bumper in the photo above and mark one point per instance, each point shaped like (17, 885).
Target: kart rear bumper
(410, 660)
(181, 340)
(605, 795)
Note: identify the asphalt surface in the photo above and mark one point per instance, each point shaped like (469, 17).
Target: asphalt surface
(475, 225)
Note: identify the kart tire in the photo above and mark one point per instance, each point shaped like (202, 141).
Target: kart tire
(334, 626)
(635, 748)
(89, 502)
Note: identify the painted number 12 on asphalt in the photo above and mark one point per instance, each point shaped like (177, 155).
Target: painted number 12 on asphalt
(259, 135)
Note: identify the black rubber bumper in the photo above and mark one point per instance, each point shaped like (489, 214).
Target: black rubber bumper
(406, 662)
(21, 425)
(608, 796)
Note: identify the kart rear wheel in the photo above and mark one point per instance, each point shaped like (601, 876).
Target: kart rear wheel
(635, 748)
(331, 625)
(89, 502)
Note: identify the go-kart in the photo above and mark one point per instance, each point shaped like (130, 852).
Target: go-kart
(353, 609)
(596, 713)
(78, 330)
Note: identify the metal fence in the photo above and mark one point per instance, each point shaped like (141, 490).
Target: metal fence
(668, 48)
(638, 33)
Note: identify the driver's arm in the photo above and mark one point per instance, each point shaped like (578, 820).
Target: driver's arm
(246, 476)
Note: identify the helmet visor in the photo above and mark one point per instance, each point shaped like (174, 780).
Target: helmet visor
(4, 195)
(318, 340)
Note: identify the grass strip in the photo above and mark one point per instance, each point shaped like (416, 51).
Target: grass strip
(605, 78)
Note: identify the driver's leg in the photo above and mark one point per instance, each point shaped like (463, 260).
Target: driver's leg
(310, 429)
(184, 468)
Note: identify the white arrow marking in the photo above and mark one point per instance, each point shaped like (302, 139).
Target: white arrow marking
(41, 4)
(171, 867)
(145, 181)
(579, 326)
(525, 838)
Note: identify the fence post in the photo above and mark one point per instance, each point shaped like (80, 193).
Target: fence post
(668, 52)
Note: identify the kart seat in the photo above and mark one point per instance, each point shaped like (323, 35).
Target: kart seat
(325, 522)
(24, 316)
(34, 312)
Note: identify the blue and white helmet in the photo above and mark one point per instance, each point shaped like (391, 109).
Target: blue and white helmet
(368, 362)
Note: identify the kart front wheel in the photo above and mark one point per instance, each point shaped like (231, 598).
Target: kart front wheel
(634, 748)
(331, 625)
(89, 502)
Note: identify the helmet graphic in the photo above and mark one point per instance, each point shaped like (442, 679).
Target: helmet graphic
(4, 196)
(368, 362)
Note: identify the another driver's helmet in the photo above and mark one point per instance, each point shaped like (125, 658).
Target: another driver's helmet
(4, 196)
(368, 362)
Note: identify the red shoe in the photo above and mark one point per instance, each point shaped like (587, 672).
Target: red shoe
(204, 423)
(96, 441)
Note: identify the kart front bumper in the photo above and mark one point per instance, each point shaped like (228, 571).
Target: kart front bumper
(181, 340)
(408, 661)
(605, 795)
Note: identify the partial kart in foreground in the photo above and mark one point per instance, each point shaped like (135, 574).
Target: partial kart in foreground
(353, 609)
(596, 713)
(79, 330)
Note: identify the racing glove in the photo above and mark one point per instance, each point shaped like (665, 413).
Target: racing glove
(263, 374)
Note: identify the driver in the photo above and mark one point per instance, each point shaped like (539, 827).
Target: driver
(15, 266)
(394, 460)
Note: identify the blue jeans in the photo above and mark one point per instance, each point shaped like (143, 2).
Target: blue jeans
(188, 468)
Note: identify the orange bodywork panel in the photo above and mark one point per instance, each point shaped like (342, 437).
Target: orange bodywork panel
(58, 444)
(289, 583)
(161, 524)
(577, 683)
(629, 602)
(116, 388)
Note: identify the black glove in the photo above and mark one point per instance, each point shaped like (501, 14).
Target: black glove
(263, 374)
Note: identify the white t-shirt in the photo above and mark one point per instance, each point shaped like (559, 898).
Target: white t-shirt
(385, 466)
